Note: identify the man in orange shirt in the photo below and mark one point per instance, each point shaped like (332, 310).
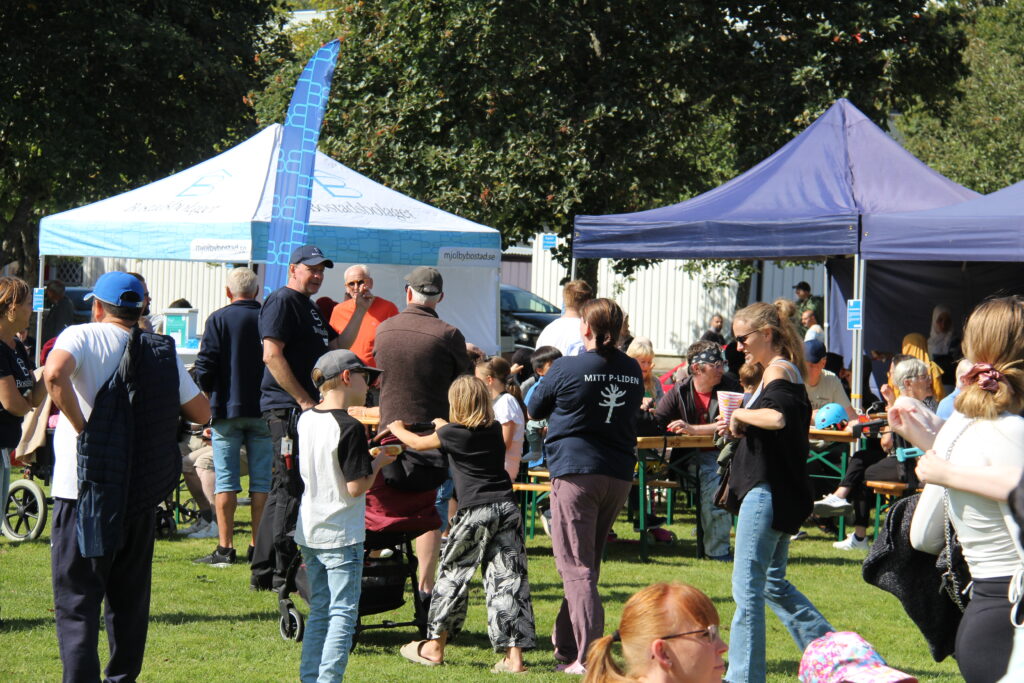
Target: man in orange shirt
(356, 319)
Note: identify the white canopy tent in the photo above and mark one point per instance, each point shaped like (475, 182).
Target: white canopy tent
(220, 209)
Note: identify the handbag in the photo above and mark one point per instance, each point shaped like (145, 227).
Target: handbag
(956, 575)
(725, 497)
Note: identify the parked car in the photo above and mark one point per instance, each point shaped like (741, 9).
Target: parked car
(83, 308)
(524, 315)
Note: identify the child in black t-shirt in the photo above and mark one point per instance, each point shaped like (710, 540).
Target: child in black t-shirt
(487, 530)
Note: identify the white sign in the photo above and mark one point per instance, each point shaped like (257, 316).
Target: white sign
(469, 256)
(211, 249)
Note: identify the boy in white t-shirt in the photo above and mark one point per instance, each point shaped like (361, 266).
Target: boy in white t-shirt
(337, 470)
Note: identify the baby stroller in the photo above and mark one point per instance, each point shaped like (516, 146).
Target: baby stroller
(393, 519)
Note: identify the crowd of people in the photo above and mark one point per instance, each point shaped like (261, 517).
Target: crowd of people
(287, 388)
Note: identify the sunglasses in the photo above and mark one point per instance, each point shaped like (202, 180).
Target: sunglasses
(355, 283)
(708, 634)
(742, 338)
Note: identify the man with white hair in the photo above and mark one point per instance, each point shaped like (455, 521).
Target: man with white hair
(356, 319)
(420, 356)
(229, 369)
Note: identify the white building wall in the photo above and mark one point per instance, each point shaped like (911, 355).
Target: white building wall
(664, 302)
(201, 283)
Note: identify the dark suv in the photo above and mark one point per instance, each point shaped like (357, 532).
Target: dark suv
(83, 308)
(524, 315)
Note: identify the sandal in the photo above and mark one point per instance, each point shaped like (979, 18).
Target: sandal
(411, 651)
(503, 667)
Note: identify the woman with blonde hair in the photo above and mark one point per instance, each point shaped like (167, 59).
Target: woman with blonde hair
(487, 530)
(642, 350)
(984, 432)
(669, 633)
(771, 491)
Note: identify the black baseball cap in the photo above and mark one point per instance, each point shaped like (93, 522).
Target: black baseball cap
(310, 255)
(814, 350)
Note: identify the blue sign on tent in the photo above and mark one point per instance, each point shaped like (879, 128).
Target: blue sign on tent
(548, 241)
(37, 299)
(854, 314)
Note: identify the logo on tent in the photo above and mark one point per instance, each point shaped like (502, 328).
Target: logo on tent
(335, 185)
(204, 185)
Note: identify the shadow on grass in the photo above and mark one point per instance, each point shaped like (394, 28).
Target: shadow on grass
(12, 625)
(175, 618)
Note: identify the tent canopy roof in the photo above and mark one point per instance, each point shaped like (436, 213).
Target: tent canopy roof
(989, 228)
(802, 201)
(219, 210)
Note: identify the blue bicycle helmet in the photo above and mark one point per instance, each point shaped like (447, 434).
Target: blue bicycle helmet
(830, 416)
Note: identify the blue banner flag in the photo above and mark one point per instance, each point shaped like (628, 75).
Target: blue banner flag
(290, 219)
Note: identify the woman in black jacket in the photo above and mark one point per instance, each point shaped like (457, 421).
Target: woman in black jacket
(769, 479)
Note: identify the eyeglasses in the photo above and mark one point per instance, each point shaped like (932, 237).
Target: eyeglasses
(709, 634)
(742, 338)
(355, 283)
(716, 364)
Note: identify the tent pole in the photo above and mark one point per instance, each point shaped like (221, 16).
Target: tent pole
(857, 381)
(825, 302)
(572, 269)
(39, 315)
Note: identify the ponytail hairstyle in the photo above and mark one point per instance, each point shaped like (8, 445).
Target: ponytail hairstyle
(605, 319)
(642, 348)
(654, 612)
(994, 341)
(785, 338)
(501, 370)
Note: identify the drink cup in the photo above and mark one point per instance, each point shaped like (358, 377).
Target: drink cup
(728, 401)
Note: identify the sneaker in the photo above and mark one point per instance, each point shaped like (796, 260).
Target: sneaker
(728, 557)
(208, 531)
(832, 506)
(192, 528)
(220, 557)
(800, 535)
(851, 543)
(545, 521)
(249, 553)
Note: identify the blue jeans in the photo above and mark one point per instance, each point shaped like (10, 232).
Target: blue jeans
(444, 494)
(228, 437)
(716, 522)
(759, 575)
(335, 581)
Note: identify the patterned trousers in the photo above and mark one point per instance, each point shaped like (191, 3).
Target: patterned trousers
(490, 535)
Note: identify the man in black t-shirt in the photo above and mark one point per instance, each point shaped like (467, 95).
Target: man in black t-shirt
(294, 336)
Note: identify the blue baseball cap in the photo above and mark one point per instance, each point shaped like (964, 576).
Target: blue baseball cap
(118, 289)
(814, 350)
(311, 256)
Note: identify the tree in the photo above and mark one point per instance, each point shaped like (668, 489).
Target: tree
(101, 98)
(975, 137)
(522, 114)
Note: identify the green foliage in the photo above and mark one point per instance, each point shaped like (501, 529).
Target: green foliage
(522, 114)
(103, 97)
(975, 138)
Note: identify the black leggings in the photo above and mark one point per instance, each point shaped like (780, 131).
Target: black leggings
(984, 640)
(873, 465)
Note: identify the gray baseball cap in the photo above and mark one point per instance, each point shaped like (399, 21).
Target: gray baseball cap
(333, 363)
(425, 280)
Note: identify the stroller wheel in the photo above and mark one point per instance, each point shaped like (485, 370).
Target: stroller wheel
(24, 512)
(165, 526)
(291, 626)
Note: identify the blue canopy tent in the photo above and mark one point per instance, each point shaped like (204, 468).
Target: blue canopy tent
(805, 200)
(954, 255)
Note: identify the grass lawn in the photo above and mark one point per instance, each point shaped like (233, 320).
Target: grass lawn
(207, 626)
